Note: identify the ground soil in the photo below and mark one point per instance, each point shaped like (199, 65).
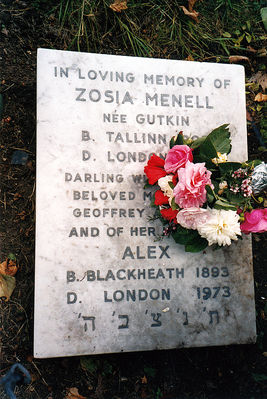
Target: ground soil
(219, 372)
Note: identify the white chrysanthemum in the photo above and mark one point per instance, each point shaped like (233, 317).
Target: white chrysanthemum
(221, 158)
(221, 227)
(163, 182)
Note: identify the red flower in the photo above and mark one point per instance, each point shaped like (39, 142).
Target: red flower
(155, 169)
(160, 198)
(169, 214)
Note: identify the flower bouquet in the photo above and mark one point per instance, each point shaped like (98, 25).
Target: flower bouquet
(201, 198)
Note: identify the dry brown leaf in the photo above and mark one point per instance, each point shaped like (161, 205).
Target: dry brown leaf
(119, 5)
(237, 58)
(251, 49)
(249, 117)
(8, 267)
(73, 393)
(7, 285)
(192, 14)
(144, 380)
(260, 78)
(16, 196)
(189, 58)
(191, 4)
(260, 97)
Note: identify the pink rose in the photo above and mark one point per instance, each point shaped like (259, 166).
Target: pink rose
(255, 221)
(190, 190)
(192, 218)
(177, 157)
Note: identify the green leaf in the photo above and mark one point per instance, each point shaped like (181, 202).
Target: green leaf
(210, 193)
(172, 142)
(253, 163)
(235, 198)
(89, 364)
(226, 34)
(209, 190)
(147, 185)
(210, 198)
(259, 377)
(264, 17)
(217, 141)
(107, 368)
(196, 143)
(180, 139)
(171, 185)
(223, 204)
(220, 138)
(152, 202)
(11, 256)
(248, 37)
(228, 167)
(197, 246)
(174, 206)
(207, 150)
(184, 236)
(177, 140)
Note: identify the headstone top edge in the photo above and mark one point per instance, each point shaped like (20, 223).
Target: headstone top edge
(41, 50)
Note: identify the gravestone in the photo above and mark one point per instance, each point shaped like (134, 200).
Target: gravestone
(105, 282)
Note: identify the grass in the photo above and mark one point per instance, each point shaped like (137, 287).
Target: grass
(159, 28)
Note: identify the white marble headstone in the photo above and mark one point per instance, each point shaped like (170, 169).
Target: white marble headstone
(104, 282)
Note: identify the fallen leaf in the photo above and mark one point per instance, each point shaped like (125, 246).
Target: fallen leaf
(237, 58)
(16, 196)
(144, 380)
(264, 17)
(8, 267)
(260, 97)
(192, 14)
(22, 215)
(249, 117)
(191, 4)
(7, 285)
(119, 5)
(189, 58)
(251, 49)
(260, 78)
(73, 393)
(262, 52)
